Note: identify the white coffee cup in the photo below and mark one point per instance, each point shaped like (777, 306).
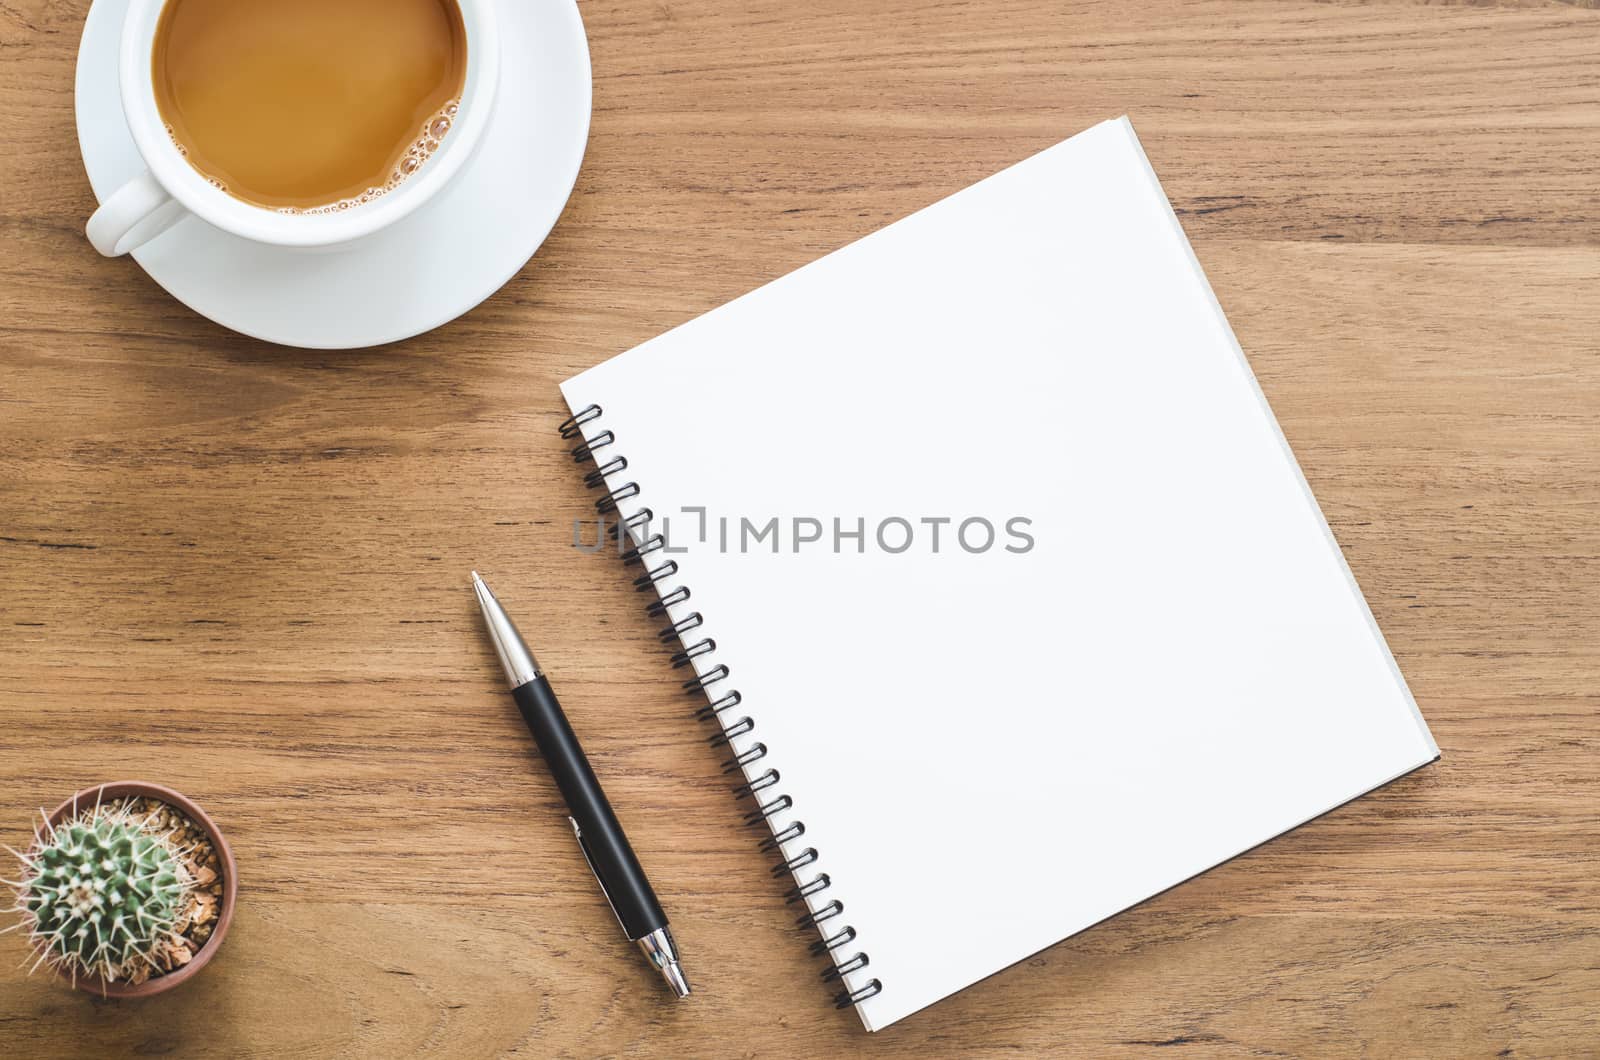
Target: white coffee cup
(170, 188)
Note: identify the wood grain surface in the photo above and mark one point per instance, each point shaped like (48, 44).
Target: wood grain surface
(241, 569)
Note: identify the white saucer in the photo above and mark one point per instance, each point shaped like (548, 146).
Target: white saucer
(427, 269)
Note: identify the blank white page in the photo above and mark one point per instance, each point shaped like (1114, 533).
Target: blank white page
(992, 749)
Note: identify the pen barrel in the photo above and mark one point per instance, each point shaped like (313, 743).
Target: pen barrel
(613, 860)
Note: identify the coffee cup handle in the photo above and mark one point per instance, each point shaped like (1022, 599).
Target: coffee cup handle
(133, 215)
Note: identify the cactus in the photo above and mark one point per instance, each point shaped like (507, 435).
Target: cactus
(99, 894)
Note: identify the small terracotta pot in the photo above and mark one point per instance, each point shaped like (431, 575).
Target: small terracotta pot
(88, 797)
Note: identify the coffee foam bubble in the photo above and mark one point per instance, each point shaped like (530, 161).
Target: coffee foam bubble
(427, 142)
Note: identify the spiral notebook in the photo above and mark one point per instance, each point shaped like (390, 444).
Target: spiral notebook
(979, 547)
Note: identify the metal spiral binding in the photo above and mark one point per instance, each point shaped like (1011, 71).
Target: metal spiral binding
(705, 685)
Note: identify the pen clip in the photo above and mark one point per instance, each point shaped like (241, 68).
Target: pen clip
(578, 832)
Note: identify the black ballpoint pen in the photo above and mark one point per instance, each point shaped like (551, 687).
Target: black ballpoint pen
(600, 837)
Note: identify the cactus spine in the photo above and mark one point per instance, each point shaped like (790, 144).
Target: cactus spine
(98, 893)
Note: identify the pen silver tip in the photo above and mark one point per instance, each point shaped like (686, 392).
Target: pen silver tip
(515, 658)
(673, 974)
(662, 952)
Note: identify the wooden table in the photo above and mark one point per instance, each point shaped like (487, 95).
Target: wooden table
(241, 569)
